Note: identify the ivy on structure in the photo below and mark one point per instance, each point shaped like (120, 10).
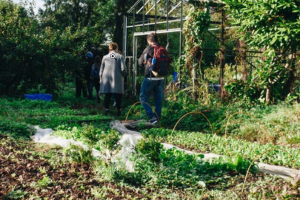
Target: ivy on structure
(197, 23)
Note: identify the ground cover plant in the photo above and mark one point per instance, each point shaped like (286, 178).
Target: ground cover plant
(159, 173)
(205, 143)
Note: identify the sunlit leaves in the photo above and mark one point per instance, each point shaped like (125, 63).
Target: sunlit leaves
(273, 27)
(267, 19)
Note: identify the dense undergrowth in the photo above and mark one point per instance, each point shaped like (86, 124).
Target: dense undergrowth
(240, 133)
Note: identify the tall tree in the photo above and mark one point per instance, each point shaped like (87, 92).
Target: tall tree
(31, 57)
(92, 17)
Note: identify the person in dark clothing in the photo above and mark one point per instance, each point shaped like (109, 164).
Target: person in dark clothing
(151, 83)
(87, 74)
(80, 81)
(95, 75)
(80, 86)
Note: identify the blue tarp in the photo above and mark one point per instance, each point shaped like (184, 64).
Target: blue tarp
(43, 97)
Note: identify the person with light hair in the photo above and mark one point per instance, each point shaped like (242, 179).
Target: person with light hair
(112, 72)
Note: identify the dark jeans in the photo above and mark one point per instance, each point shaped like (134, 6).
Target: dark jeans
(149, 86)
(108, 98)
(80, 86)
(97, 87)
(90, 88)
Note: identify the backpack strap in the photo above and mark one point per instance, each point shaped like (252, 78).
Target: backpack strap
(155, 50)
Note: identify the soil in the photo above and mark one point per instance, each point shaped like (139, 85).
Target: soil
(25, 174)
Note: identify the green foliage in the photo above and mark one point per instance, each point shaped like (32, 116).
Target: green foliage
(89, 134)
(33, 59)
(16, 194)
(199, 20)
(143, 172)
(84, 18)
(45, 182)
(194, 29)
(274, 27)
(17, 130)
(232, 147)
(270, 24)
(172, 170)
(41, 55)
(180, 169)
(247, 92)
(150, 148)
(176, 169)
(78, 154)
(195, 121)
(109, 140)
(293, 140)
(94, 137)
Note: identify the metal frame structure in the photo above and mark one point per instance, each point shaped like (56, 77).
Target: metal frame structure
(147, 19)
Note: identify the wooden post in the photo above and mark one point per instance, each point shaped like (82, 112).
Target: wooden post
(222, 57)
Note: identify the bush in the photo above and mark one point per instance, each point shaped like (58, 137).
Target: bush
(150, 148)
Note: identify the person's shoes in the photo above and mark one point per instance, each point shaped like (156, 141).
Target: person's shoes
(119, 112)
(153, 120)
(106, 112)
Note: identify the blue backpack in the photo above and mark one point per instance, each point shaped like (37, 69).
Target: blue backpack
(95, 71)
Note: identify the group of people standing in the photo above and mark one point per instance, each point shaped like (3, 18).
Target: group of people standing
(112, 72)
(106, 75)
(85, 80)
(110, 80)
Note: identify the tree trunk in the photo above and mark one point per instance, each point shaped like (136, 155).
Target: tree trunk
(268, 94)
(242, 54)
(118, 33)
(292, 72)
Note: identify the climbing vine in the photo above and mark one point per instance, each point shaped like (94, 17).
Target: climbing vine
(194, 28)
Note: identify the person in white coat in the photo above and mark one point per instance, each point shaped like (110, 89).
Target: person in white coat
(111, 75)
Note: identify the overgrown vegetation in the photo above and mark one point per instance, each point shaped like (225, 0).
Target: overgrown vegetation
(180, 175)
(256, 118)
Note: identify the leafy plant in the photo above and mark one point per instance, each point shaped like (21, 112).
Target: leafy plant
(78, 154)
(272, 26)
(195, 27)
(17, 130)
(45, 182)
(15, 194)
(110, 139)
(150, 148)
(89, 134)
(200, 142)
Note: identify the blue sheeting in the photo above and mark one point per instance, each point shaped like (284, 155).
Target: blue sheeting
(43, 97)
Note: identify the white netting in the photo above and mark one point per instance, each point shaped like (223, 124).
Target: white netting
(44, 136)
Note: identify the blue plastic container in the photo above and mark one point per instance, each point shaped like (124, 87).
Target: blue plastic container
(175, 77)
(214, 87)
(42, 97)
